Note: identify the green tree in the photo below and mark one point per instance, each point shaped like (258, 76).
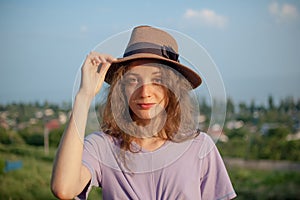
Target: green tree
(230, 108)
(271, 102)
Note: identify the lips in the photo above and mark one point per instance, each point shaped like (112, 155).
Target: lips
(146, 106)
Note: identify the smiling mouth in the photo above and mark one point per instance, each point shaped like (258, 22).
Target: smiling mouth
(146, 106)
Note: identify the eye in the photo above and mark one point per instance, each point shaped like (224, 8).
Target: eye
(157, 80)
(131, 80)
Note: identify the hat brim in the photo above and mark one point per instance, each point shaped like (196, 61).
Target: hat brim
(189, 74)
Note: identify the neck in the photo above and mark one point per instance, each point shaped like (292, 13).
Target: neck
(151, 143)
(157, 120)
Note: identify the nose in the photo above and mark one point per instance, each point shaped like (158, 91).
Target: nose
(145, 90)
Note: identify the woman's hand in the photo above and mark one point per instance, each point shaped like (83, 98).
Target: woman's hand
(93, 72)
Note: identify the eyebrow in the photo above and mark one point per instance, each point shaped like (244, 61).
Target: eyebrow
(136, 74)
(154, 73)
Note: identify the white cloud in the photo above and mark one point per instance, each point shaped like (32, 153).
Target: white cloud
(283, 13)
(206, 17)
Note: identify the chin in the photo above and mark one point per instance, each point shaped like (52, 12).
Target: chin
(150, 114)
(143, 117)
(147, 116)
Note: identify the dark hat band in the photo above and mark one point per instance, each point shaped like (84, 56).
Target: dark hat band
(145, 47)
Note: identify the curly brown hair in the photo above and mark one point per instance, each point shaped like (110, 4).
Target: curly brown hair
(179, 125)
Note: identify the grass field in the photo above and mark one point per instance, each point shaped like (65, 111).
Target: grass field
(32, 181)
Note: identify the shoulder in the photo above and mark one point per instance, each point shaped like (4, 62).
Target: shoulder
(98, 139)
(203, 138)
(97, 135)
(204, 145)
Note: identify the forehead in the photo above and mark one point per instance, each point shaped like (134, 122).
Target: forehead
(144, 67)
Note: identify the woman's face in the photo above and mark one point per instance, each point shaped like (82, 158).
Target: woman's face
(144, 90)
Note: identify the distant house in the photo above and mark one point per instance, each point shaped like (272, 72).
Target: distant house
(295, 136)
(62, 117)
(49, 112)
(233, 124)
(3, 120)
(52, 124)
(216, 132)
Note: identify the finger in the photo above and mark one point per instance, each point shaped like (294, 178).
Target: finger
(106, 58)
(102, 58)
(93, 57)
(94, 62)
(104, 67)
(110, 58)
(89, 59)
(96, 57)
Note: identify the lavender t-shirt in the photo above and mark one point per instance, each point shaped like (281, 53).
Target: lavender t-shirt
(192, 169)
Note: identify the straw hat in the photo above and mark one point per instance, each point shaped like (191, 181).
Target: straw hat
(147, 42)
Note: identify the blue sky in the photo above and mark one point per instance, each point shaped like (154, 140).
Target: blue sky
(255, 44)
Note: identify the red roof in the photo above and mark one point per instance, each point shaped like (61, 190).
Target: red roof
(52, 124)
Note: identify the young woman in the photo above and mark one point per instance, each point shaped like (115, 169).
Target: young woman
(149, 146)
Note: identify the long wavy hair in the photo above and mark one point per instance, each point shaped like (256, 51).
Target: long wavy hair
(179, 125)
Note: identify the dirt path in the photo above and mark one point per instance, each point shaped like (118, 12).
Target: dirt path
(262, 164)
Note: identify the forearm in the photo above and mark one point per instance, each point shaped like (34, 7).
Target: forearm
(67, 170)
(69, 176)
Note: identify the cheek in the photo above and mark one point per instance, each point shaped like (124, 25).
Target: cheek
(164, 97)
(129, 95)
(166, 102)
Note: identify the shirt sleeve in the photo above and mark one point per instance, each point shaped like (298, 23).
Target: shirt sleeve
(215, 182)
(90, 160)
